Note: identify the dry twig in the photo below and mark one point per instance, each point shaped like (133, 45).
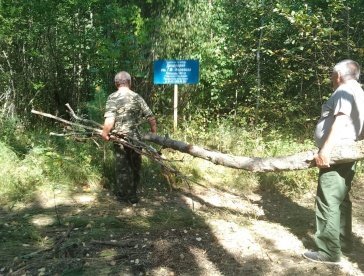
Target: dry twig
(80, 130)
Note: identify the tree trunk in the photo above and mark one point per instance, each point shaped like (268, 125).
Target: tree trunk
(299, 161)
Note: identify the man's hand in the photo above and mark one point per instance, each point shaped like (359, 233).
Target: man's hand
(153, 124)
(108, 125)
(105, 135)
(322, 159)
(324, 155)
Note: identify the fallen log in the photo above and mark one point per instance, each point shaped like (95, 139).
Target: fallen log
(299, 161)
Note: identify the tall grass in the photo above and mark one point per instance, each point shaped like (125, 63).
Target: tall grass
(43, 162)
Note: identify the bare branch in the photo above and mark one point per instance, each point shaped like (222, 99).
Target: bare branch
(82, 119)
(119, 138)
(96, 130)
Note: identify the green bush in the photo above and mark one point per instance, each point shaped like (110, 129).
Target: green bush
(18, 178)
(51, 162)
(96, 107)
(12, 132)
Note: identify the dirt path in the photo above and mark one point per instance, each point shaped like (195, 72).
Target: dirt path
(276, 233)
(199, 232)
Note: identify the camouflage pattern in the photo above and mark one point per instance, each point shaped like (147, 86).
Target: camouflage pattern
(129, 110)
(127, 172)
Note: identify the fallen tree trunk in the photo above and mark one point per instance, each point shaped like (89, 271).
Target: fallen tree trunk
(299, 161)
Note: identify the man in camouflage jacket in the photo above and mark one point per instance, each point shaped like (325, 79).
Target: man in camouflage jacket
(125, 110)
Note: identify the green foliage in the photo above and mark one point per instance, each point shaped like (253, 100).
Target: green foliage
(18, 178)
(265, 61)
(12, 133)
(96, 106)
(71, 165)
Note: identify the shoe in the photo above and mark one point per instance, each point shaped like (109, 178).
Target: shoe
(347, 249)
(319, 258)
(133, 200)
(348, 252)
(122, 198)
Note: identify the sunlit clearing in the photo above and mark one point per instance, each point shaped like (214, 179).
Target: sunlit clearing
(283, 240)
(235, 238)
(49, 199)
(42, 220)
(206, 266)
(84, 198)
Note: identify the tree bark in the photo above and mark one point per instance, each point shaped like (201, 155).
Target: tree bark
(299, 161)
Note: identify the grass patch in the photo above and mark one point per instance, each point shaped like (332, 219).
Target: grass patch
(45, 166)
(245, 141)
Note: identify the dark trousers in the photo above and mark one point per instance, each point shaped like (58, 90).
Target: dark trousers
(127, 171)
(333, 209)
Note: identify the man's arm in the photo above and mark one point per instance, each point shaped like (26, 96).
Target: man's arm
(153, 124)
(108, 125)
(323, 156)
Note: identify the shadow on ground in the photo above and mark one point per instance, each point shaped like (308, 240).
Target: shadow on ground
(84, 232)
(300, 219)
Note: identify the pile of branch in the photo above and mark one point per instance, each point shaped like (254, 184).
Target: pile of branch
(81, 128)
(299, 161)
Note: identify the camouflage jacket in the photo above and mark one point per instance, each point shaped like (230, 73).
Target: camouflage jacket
(129, 110)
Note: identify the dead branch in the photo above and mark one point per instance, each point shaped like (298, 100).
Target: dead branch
(95, 130)
(78, 130)
(125, 243)
(82, 119)
(299, 161)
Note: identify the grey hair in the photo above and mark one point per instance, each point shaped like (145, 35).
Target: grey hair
(122, 78)
(348, 69)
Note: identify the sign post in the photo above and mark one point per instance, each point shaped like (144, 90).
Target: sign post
(176, 72)
(175, 107)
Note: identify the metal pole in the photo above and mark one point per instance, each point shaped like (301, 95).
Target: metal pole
(175, 105)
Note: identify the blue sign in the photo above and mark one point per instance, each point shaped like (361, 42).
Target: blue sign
(176, 71)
